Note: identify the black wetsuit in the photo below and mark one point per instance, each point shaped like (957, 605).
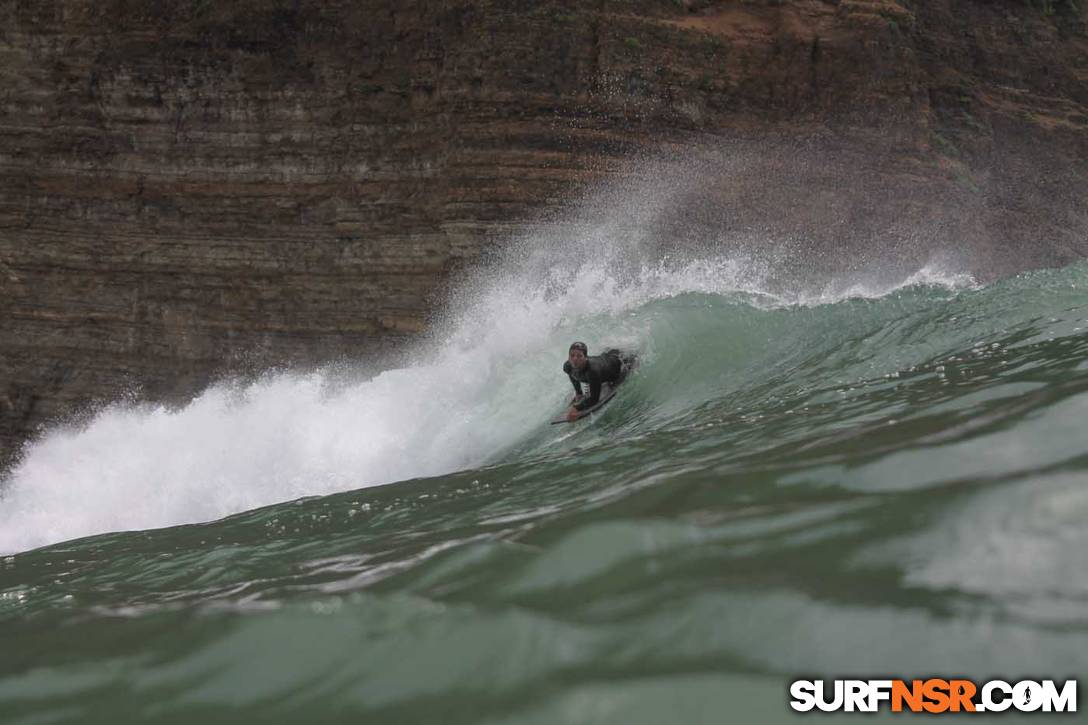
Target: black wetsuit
(608, 367)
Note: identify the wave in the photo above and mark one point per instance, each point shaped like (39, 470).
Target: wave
(731, 322)
(480, 395)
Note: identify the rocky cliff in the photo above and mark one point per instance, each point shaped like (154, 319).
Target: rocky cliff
(190, 188)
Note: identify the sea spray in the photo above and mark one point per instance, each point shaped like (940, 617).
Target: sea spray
(478, 385)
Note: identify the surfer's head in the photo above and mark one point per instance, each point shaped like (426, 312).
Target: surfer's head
(577, 355)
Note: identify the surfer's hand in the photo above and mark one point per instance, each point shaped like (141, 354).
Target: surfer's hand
(572, 415)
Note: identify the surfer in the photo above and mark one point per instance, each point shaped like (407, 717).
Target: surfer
(611, 366)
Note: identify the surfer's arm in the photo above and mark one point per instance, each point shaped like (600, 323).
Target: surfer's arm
(594, 392)
(577, 385)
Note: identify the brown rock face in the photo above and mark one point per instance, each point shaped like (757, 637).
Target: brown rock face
(190, 188)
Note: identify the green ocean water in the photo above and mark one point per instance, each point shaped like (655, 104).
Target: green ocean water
(891, 484)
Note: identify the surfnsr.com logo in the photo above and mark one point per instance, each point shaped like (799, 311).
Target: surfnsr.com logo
(933, 696)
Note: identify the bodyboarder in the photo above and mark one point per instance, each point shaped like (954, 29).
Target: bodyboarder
(611, 366)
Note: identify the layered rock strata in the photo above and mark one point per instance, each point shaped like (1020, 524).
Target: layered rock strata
(191, 188)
